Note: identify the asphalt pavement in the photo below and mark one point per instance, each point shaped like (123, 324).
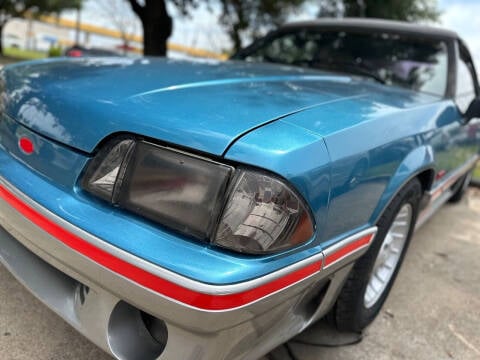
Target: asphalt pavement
(433, 311)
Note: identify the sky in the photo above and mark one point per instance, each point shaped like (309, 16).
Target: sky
(202, 30)
(463, 16)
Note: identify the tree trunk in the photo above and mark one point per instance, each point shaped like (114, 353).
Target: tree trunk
(235, 36)
(238, 25)
(157, 25)
(157, 28)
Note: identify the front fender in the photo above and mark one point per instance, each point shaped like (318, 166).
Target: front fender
(297, 155)
(416, 162)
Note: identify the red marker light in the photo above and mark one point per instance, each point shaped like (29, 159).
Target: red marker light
(75, 53)
(440, 174)
(26, 145)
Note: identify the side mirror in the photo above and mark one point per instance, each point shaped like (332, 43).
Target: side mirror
(473, 110)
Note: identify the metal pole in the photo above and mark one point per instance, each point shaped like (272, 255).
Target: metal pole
(29, 34)
(77, 29)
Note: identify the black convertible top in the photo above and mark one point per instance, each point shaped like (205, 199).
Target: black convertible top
(374, 25)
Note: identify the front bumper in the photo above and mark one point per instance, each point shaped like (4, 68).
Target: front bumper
(101, 290)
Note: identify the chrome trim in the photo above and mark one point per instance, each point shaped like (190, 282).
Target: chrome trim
(263, 323)
(191, 334)
(442, 192)
(174, 277)
(452, 178)
(70, 262)
(157, 270)
(432, 208)
(472, 161)
(345, 242)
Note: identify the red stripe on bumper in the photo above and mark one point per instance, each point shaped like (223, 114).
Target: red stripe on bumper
(149, 280)
(347, 249)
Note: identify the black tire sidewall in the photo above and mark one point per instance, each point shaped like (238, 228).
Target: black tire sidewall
(351, 312)
(460, 188)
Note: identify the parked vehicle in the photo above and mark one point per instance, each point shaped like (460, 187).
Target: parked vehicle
(80, 51)
(199, 210)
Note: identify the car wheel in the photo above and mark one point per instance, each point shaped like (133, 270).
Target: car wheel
(461, 187)
(373, 275)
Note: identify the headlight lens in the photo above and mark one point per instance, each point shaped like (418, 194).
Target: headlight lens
(102, 173)
(175, 189)
(240, 209)
(262, 215)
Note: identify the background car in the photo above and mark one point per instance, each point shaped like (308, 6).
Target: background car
(80, 51)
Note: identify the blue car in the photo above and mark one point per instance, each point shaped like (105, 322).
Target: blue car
(213, 210)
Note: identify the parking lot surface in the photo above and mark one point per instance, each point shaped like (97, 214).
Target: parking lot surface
(433, 311)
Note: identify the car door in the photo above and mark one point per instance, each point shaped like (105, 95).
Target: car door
(456, 140)
(468, 135)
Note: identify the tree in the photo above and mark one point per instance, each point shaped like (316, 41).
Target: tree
(157, 24)
(406, 10)
(331, 8)
(20, 8)
(241, 18)
(248, 19)
(117, 11)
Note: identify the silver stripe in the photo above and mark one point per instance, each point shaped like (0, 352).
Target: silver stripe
(154, 269)
(341, 244)
(432, 208)
(444, 192)
(168, 275)
(470, 162)
(454, 176)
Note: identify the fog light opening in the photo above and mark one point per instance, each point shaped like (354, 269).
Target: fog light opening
(156, 328)
(133, 334)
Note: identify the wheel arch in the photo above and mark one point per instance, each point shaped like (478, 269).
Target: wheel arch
(417, 164)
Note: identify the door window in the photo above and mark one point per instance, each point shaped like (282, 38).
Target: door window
(465, 89)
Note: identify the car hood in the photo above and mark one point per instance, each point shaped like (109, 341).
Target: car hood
(203, 105)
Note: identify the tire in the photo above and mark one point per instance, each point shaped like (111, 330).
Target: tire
(356, 307)
(460, 188)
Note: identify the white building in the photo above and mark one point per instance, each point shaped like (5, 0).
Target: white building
(33, 35)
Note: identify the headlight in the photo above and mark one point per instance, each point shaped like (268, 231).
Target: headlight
(262, 215)
(175, 189)
(104, 170)
(241, 209)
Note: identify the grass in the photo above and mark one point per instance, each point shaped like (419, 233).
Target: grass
(450, 160)
(446, 161)
(476, 174)
(21, 54)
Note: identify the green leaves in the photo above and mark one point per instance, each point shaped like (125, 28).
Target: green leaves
(242, 19)
(18, 8)
(405, 10)
(247, 19)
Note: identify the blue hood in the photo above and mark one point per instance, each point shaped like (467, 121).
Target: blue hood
(201, 105)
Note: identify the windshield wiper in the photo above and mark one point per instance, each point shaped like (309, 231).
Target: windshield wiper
(358, 70)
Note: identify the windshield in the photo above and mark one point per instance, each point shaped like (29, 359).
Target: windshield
(414, 63)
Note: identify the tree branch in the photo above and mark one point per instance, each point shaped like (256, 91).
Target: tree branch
(137, 9)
